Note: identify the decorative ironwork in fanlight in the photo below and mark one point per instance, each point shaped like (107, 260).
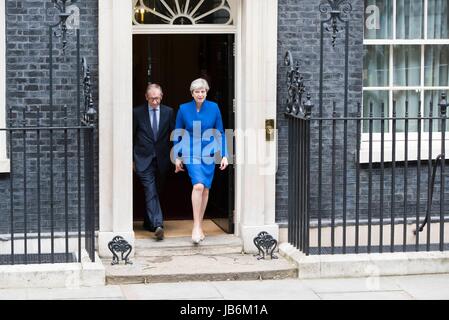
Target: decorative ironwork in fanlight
(335, 10)
(69, 18)
(182, 12)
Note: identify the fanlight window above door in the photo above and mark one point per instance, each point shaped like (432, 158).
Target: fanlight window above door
(182, 12)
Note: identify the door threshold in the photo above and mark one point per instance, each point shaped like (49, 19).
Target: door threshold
(178, 229)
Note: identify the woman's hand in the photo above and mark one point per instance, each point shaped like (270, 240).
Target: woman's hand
(179, 166)
(224, 163)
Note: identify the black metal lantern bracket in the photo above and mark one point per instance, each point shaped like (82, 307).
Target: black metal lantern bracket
(68, 14)
(335, 10)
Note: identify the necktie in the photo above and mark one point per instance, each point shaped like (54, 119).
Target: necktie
(154, 124)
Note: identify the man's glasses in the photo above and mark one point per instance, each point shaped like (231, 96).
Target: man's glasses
(155, 99)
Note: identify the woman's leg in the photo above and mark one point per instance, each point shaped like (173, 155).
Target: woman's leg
(197, 197)
(204, 200)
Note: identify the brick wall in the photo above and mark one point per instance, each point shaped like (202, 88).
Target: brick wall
(299, 32)
(27, 80)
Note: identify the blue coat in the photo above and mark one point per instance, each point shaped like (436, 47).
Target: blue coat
(204, 136)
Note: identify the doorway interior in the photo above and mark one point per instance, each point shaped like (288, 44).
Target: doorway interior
(174, 61)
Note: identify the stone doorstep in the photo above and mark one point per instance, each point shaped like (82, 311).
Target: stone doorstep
(198, 267)
(57, 275)
(217, 258)
(365, 265)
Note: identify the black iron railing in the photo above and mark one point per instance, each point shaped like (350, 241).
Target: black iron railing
(360, 181)
(373, 187)
(51, 207)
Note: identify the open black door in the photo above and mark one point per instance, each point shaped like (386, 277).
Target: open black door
(173, 61)
(221, 202)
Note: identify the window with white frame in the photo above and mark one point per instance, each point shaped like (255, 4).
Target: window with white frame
(406, 59)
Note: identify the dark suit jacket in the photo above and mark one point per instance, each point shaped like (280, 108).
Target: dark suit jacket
(145, 147)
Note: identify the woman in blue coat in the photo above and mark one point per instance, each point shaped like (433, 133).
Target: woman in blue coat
(200, 124)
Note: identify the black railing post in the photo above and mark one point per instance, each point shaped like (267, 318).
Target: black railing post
(393, 179)
(66, 188)
(38, 178)
(88, 188)
(443, 109)
(11, 183)
(430, 183)
(382, 174)
(357, 176)
(25, 204)
(333, 178)
(370, 175)
(308, 111)
(404, 234)
(418, 179)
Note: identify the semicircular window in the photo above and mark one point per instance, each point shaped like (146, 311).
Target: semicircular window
(182, 12)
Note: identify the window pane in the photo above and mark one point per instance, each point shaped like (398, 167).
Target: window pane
(378, 19)
(433, 97)
(411, 97)
(436, 65)
(375, 66)
(407, 65)
(376, 98)
(409, 19)
(437, 19)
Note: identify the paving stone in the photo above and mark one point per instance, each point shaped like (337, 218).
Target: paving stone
(265, 290)
(170, 291)
(425, 287)
(378, 295)
(351, 285)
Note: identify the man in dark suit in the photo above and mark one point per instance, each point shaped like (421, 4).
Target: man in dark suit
(152, 126)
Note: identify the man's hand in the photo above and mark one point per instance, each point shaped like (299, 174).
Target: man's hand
(179, 166)
(224, 163)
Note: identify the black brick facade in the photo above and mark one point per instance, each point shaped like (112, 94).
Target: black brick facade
(27, 89)
(299, 32)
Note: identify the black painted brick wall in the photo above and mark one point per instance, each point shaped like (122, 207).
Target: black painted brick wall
(299, 32)
(27, 80)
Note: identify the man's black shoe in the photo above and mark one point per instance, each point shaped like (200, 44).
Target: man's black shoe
(159, 233)
(149, 228)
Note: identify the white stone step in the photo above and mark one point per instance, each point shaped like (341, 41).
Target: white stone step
(181, 246)
(199, 267)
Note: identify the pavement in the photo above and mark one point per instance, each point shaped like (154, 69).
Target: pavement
(418, 287)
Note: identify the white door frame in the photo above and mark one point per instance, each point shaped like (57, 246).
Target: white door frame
(255, 29)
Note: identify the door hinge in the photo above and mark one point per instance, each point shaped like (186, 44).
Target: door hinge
(233, 49)
(233, 105)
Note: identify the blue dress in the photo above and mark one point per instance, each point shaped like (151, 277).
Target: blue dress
(199, 136)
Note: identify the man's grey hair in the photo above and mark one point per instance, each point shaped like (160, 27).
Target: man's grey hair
(154, 86)
(199, 84)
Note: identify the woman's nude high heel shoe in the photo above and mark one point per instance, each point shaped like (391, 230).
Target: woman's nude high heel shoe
(196, 238)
